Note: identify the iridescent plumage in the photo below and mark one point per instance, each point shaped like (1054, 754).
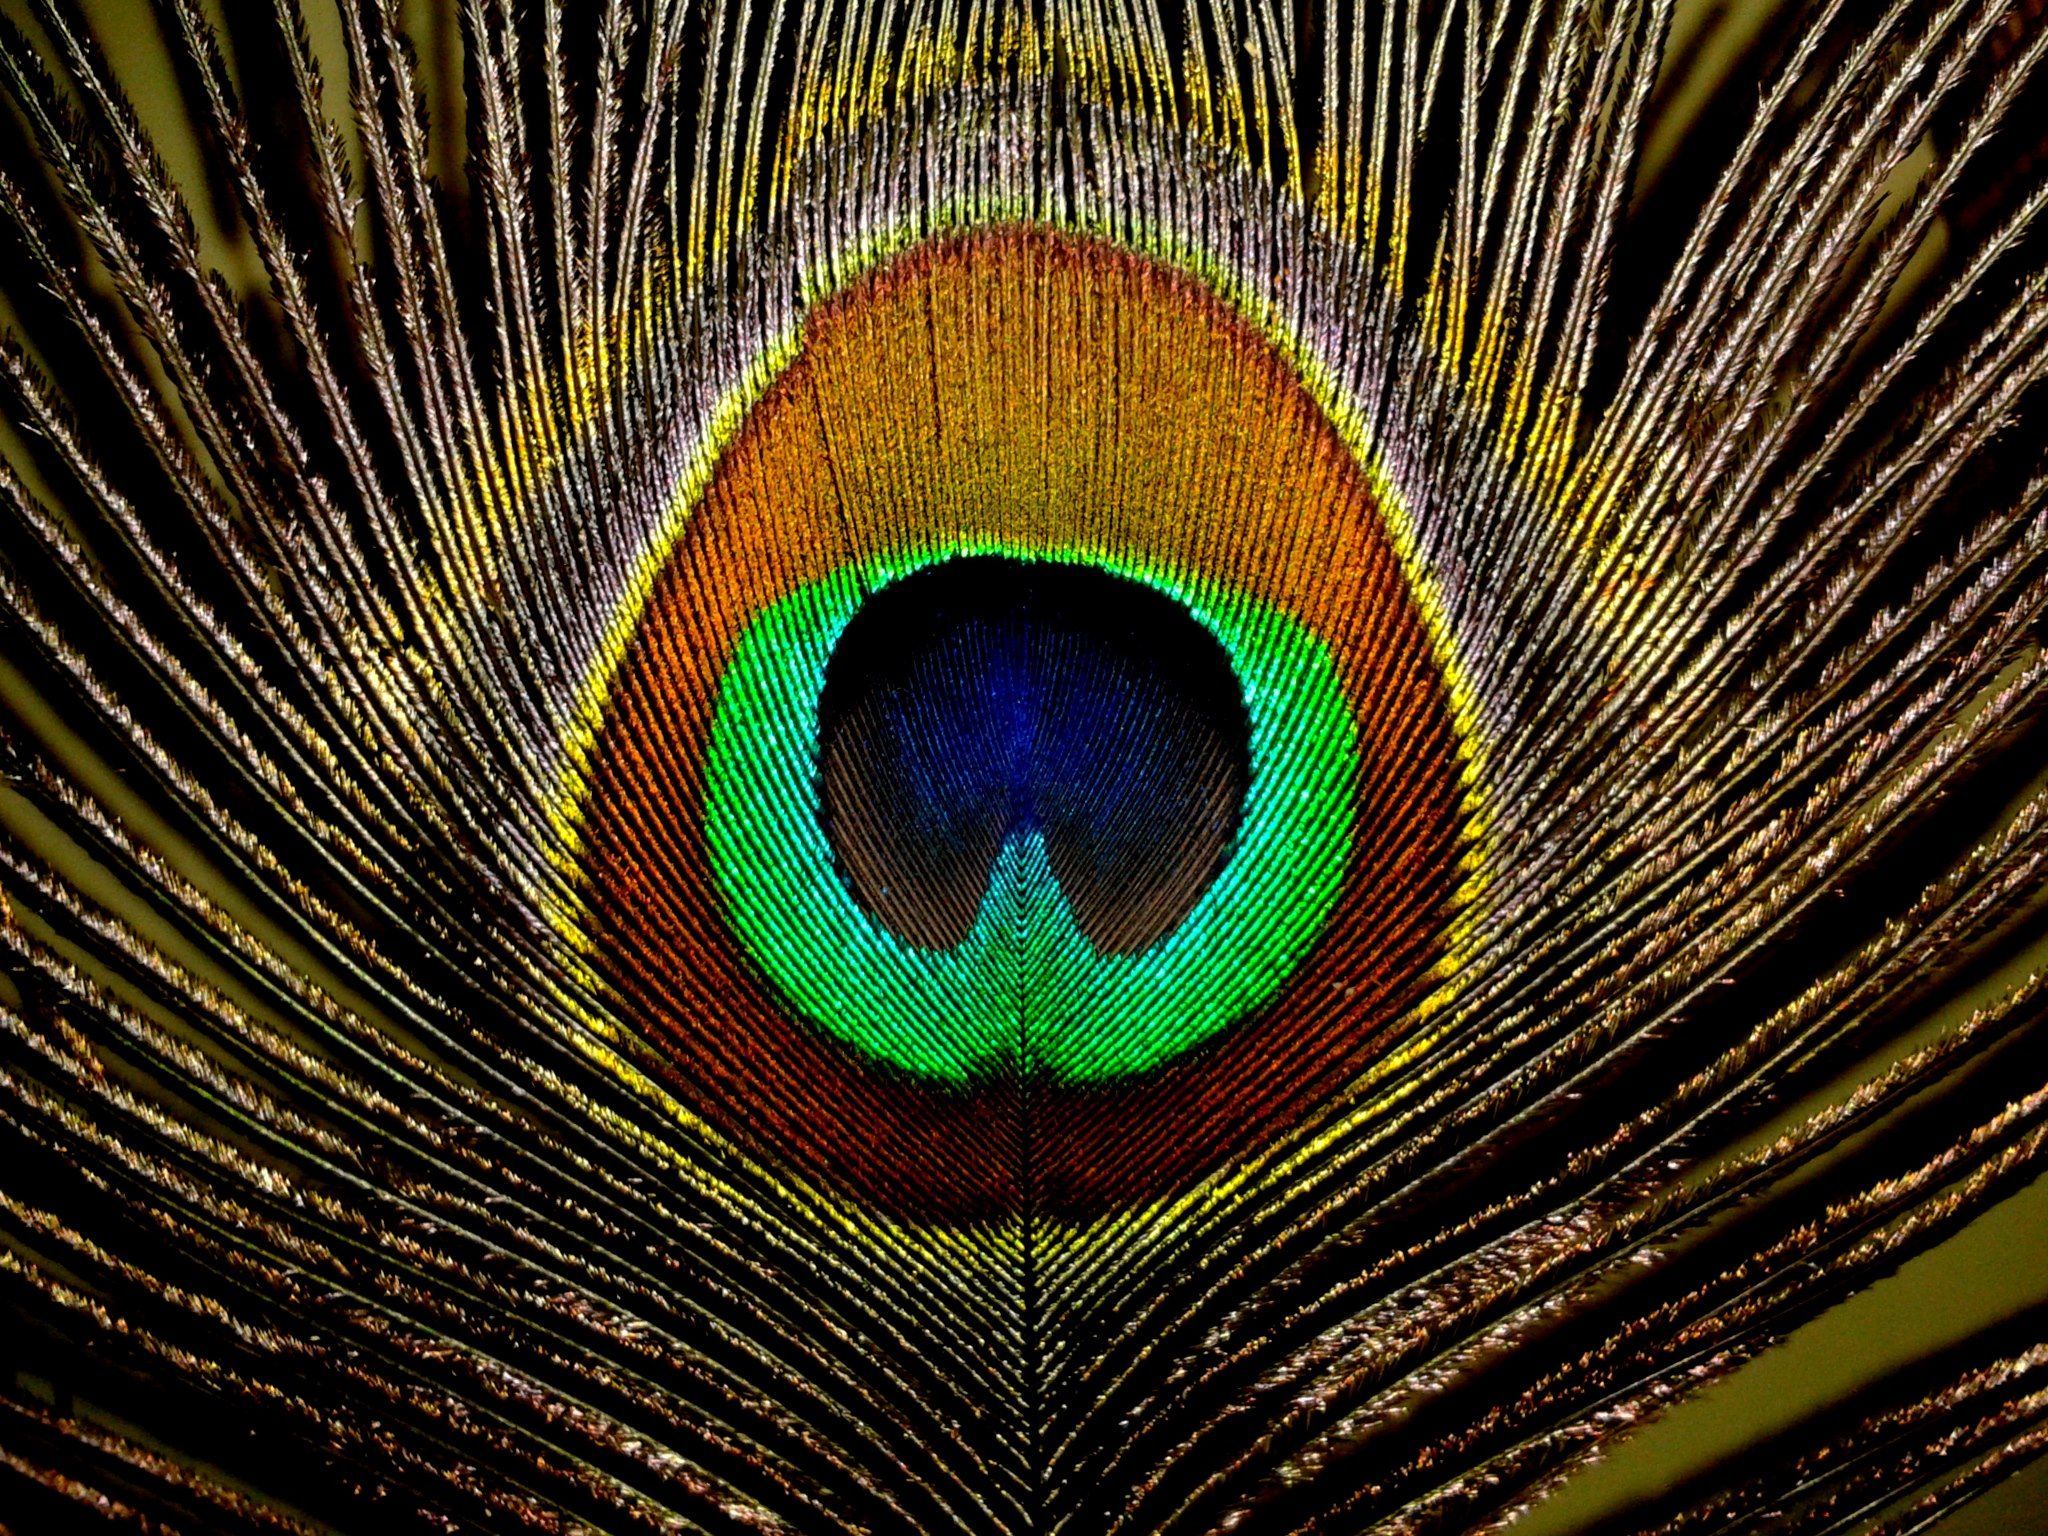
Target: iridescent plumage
(898, 767)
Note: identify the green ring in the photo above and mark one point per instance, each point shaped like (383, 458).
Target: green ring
(1025, 989)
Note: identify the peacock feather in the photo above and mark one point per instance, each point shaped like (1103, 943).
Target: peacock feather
(1015, 767)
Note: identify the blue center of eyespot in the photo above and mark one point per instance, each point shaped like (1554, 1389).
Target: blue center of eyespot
(985, 701)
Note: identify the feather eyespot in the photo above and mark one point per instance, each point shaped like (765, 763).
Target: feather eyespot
(831, 864)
